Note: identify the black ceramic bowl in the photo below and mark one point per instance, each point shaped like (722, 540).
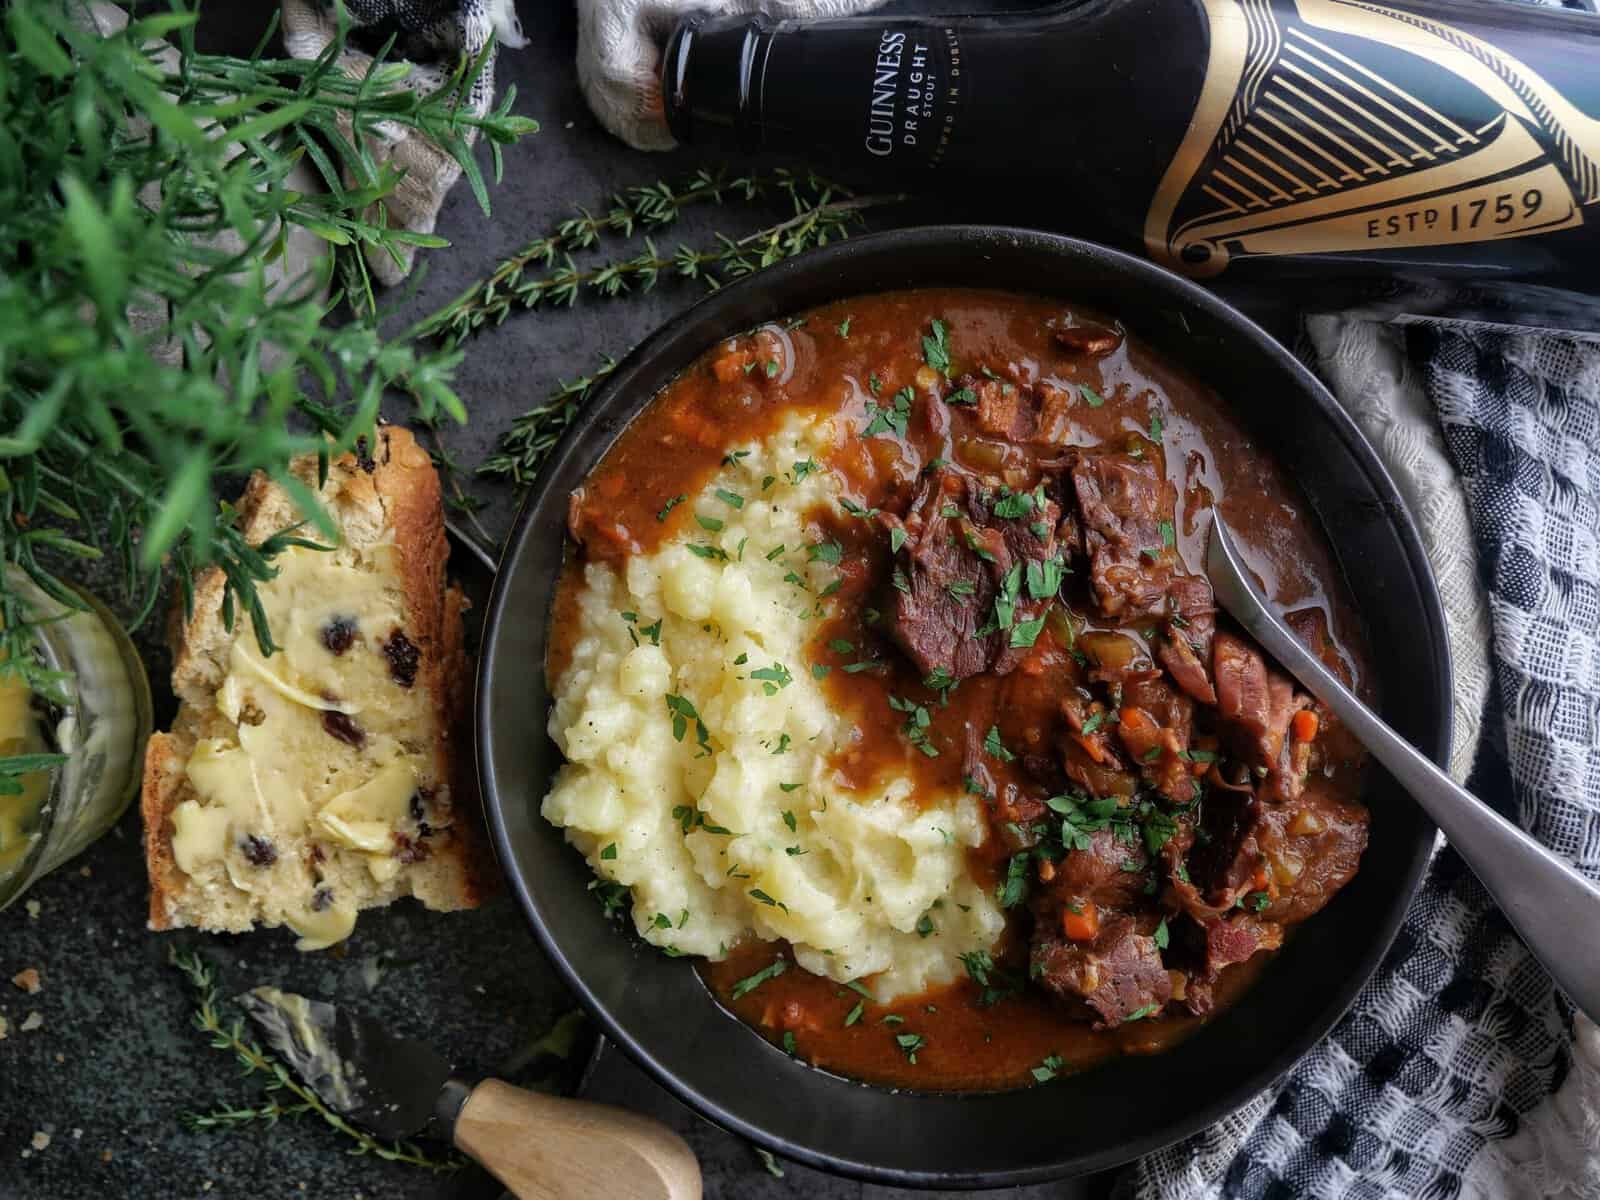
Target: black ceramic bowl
(656, 1008)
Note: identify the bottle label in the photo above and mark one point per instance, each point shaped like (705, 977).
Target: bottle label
(1341, 125)
(910, 113)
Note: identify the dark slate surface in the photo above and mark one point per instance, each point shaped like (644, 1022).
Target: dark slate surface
(116, 1062)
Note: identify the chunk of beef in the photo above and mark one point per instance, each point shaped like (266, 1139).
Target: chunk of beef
(1118, 975)
(958, 557)
(1089, 341)
(1089, 754)
(1001, 408)
(1185, 648)
(1155, 724)
(1054, 424)
(1207, 947)
(1312, 846)
(1123, 499)
(1226, 861)
(1256, 705)
(1109, 874)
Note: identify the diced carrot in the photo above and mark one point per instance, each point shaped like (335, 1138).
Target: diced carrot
(1081, 926)
(1258, 881)
(1047, 870)
(1091, 745)
(1304, 725)
(1136, 721)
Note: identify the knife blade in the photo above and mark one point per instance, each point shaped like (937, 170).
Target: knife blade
(396, 1087)
(389, 1085)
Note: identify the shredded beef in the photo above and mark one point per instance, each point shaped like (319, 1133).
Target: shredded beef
(958, 556)
(1119, 975)
(1122, 500)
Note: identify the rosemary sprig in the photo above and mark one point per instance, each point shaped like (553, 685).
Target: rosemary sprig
(144, 355)
(277, 1078)
(823, 212)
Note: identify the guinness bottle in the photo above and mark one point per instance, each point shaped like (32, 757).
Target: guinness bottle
(1417, 137)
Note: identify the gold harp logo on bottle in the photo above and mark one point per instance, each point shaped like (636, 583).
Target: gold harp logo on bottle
(1349, 125)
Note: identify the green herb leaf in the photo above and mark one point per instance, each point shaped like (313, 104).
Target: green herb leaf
(751, 982)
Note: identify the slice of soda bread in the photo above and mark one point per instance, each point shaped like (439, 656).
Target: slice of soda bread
(299, 788)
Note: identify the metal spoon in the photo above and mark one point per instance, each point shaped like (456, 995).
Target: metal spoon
(1548, 903)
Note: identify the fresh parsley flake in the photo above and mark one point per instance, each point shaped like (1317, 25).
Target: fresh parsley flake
(774, 677)
(1048, 1069)
(1139, 1014)
(828, 552)
(936, 348)
(1027, 632)
(844, 328)
(1161, 936)
(911, 1042)
(610, 851)
(732, 499)
(714, 553)
(789, 820)
(1094, 398)
(709, 523)
(758, 894)
(751, 982)
(897, 538)
(963, 395)
(996, 748)
(670, 505)
(1169, 535)
(855, 1013)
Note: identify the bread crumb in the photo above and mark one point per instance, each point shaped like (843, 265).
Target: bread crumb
(60, 1058)
(28, 980)
(34, 909)
(105, 1156)
(31, 1022)
(41, 1139)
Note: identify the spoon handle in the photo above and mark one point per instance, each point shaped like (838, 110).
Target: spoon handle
(1550, 905)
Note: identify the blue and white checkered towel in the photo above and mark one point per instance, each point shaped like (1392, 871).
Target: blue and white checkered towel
(1461, 1071)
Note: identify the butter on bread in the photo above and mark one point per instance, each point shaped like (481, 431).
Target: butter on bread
(301, 788)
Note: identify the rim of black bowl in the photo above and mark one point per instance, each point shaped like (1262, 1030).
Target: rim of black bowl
(1051, 247)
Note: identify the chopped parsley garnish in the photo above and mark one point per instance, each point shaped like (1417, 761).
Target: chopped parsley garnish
(844, 328)
(1005, 602)
(855, 510)
(1158, 829)
(897, 538)
(1048, 1069)
(783, 744)
(916, 727)
(1161, 936)
(682, 713)
(795, 852)
(995, 984)
(789, 1046)
(866, 664)
(1096, 719)
(751, 982)
(710, 523)
(741, 660)
(806, 466)
(820, 670)
(994, 747)
(936, 348)
(758, 894)
(1027, 632)
(874, 384)
(789, 820)
(775, 553)
(1094, 398)
(950, 511)
(1169, 535)
(828, 552)
(855, 1013)
(961, 588)
(1040, 529)
(1150, 755)
(732, 457)
(925, 925)
(1259, 901)
(653, 632)
(840, 646)
(1044, 578)
(1013, 889)
(670, 505)
(1140, 1014)
(892, 417)
(911, 1042)
(612, 896)
(732, 499)
(900, 582)
(1012, 505)
(772, 678)
(772, 368)
(713, 553)
(610, 851)
(1155, 427)
(662, 921)
(939, 679)
(962, 396)
(690, 818)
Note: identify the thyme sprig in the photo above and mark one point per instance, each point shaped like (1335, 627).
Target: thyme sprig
(822, 212)
(278, 1082)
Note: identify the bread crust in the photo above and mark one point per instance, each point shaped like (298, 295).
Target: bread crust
(396, 486)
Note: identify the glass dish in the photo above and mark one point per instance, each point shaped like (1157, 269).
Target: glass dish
(101, 726)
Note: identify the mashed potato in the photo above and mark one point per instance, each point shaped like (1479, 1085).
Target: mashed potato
(697, 768)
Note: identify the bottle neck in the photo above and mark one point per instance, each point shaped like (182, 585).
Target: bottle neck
(1082, 90)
